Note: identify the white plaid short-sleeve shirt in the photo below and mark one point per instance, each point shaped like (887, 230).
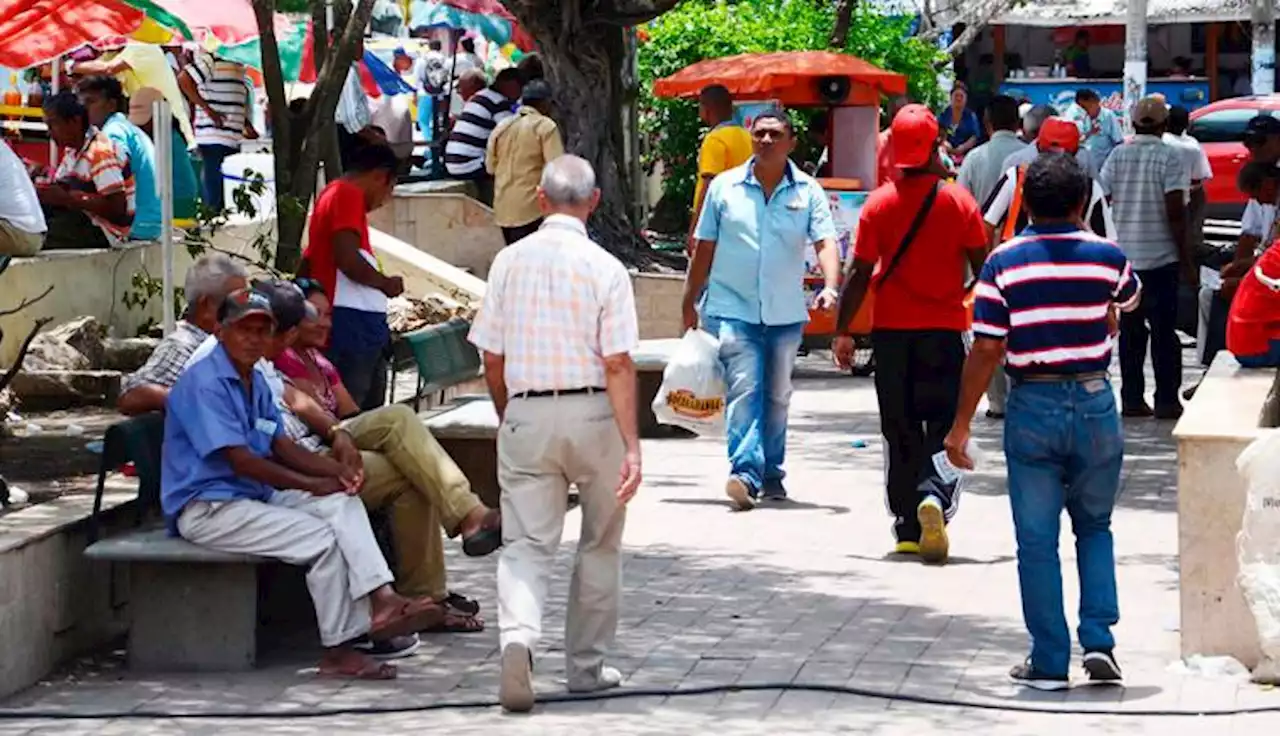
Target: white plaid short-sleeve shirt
(556, 305)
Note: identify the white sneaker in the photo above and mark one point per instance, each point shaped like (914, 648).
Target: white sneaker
(515, 689)
(608, 679)
(737, 490)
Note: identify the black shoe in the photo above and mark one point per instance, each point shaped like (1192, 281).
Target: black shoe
(1102, 668)
(1025, 674)
(991, 414)
(773, 491)
(1189, 393)
(397, 647)
(1137, 411)
(1168, 413)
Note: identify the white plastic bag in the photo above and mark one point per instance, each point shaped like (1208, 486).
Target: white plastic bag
(693, 388)
(1258, 548)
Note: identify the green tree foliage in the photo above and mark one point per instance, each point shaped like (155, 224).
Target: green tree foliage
(706, 29)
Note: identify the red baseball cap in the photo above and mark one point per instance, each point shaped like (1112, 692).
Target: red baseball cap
(1058, 133)
(914, 136)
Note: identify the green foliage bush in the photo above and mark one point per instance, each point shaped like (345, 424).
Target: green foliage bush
(706, 29)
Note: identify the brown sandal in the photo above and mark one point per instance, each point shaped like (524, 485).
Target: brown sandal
(416, 614)
(356, 666)
(457, 622)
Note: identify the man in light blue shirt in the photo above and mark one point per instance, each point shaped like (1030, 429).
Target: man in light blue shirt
(756, 222)
(1100, 129)
(104, 98)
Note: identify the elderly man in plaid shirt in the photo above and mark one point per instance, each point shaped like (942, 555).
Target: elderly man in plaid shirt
(557, 329)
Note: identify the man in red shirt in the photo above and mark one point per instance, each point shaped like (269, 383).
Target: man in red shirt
(1253, 325)
(339, 256)
(915, 237)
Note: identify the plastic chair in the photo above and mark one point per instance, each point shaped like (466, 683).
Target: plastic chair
(138, 441)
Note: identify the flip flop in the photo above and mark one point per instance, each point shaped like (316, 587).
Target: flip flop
(418, 614)
(456, 622)
(487, 540)
(369, 670)
(460, 603)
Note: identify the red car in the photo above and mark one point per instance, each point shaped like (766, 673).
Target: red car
(1219, 127)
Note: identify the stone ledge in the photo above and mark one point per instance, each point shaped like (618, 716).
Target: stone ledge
(40, 521)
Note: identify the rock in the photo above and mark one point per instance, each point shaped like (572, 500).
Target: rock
(72, 346)
(53, 390)
(127, 355)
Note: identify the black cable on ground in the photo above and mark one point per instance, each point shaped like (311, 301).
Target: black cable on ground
(988, 705)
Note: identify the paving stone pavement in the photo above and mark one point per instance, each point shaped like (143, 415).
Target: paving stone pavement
(796, 593)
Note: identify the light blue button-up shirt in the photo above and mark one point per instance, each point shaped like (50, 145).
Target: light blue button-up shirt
(1099, 144)
(757, 276)
(208, 411)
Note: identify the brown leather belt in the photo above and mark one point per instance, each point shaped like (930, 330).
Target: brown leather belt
(1063, 377)
(585, 390)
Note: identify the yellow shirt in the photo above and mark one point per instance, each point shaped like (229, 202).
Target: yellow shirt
(727, 146)
(518, 149)
(148, 67)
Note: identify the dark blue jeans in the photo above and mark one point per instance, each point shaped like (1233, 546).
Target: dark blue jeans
(1268, 359)
(1064, 445)
(211, 173)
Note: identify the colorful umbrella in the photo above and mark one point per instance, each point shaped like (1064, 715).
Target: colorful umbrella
(375, 76)
(489, 18)
(761, 76)
(36, 31)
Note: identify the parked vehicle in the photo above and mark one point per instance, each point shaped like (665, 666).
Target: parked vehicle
(1219, 126)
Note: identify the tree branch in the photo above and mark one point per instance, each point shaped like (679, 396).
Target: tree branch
(844, 18)
(628, 12)
(337, 64)
(7, 378)
(25, 303)
(264, 12)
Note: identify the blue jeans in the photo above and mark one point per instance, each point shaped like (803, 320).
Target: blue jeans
(211, 173)
(1263, 360)
(758, 360)
(1064, 446)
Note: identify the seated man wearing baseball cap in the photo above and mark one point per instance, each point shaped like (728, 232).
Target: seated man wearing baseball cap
(233, 481)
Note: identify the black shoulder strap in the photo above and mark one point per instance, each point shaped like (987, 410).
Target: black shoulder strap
(922, 213)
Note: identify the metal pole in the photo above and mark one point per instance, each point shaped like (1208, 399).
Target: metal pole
(1263, 58)
(1135, 59)
(53, 147)
(161, 125)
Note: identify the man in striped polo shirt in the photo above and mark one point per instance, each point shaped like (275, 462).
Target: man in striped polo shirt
(464, 153)
(218, 90)
(1047, 303)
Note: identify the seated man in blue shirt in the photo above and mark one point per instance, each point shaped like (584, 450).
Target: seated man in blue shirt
(225, 455)
(104, 98)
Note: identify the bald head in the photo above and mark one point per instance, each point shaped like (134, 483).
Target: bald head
(568, 187)
(470, 82)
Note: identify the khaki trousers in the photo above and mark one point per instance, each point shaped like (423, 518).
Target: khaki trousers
(406, 469)
(20, 243)
(544, 445)
(330, 535)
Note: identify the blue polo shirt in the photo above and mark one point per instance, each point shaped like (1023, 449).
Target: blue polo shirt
(209, 411)
(757, 276)
(141, 152)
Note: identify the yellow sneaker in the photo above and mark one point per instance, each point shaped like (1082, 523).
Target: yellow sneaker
(906, 548)
(934, 545)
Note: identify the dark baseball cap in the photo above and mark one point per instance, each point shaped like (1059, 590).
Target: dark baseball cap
(287, 302)
(536, 91)
(242, 304)
(1260, 127)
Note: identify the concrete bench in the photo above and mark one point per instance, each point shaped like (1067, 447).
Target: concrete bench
(1232, 407)
(467, 429)
(190, 608)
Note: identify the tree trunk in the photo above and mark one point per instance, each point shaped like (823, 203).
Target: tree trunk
(585, 74)
(844, 18)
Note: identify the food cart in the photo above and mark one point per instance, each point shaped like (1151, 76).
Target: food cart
(850, 90)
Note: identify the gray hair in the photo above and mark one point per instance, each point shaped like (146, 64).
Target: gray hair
(568, 181)
(208, 277)
(1035, 118)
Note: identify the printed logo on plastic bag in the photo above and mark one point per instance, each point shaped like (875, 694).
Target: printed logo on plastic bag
(693, 389)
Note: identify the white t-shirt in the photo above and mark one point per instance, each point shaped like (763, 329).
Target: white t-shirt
(1258, 219)
(1193, 156)
(19, 205)
(352, 295)
(1097, 215)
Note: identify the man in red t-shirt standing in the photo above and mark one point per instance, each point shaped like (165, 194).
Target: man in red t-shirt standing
(916, 236)
(339, 256)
